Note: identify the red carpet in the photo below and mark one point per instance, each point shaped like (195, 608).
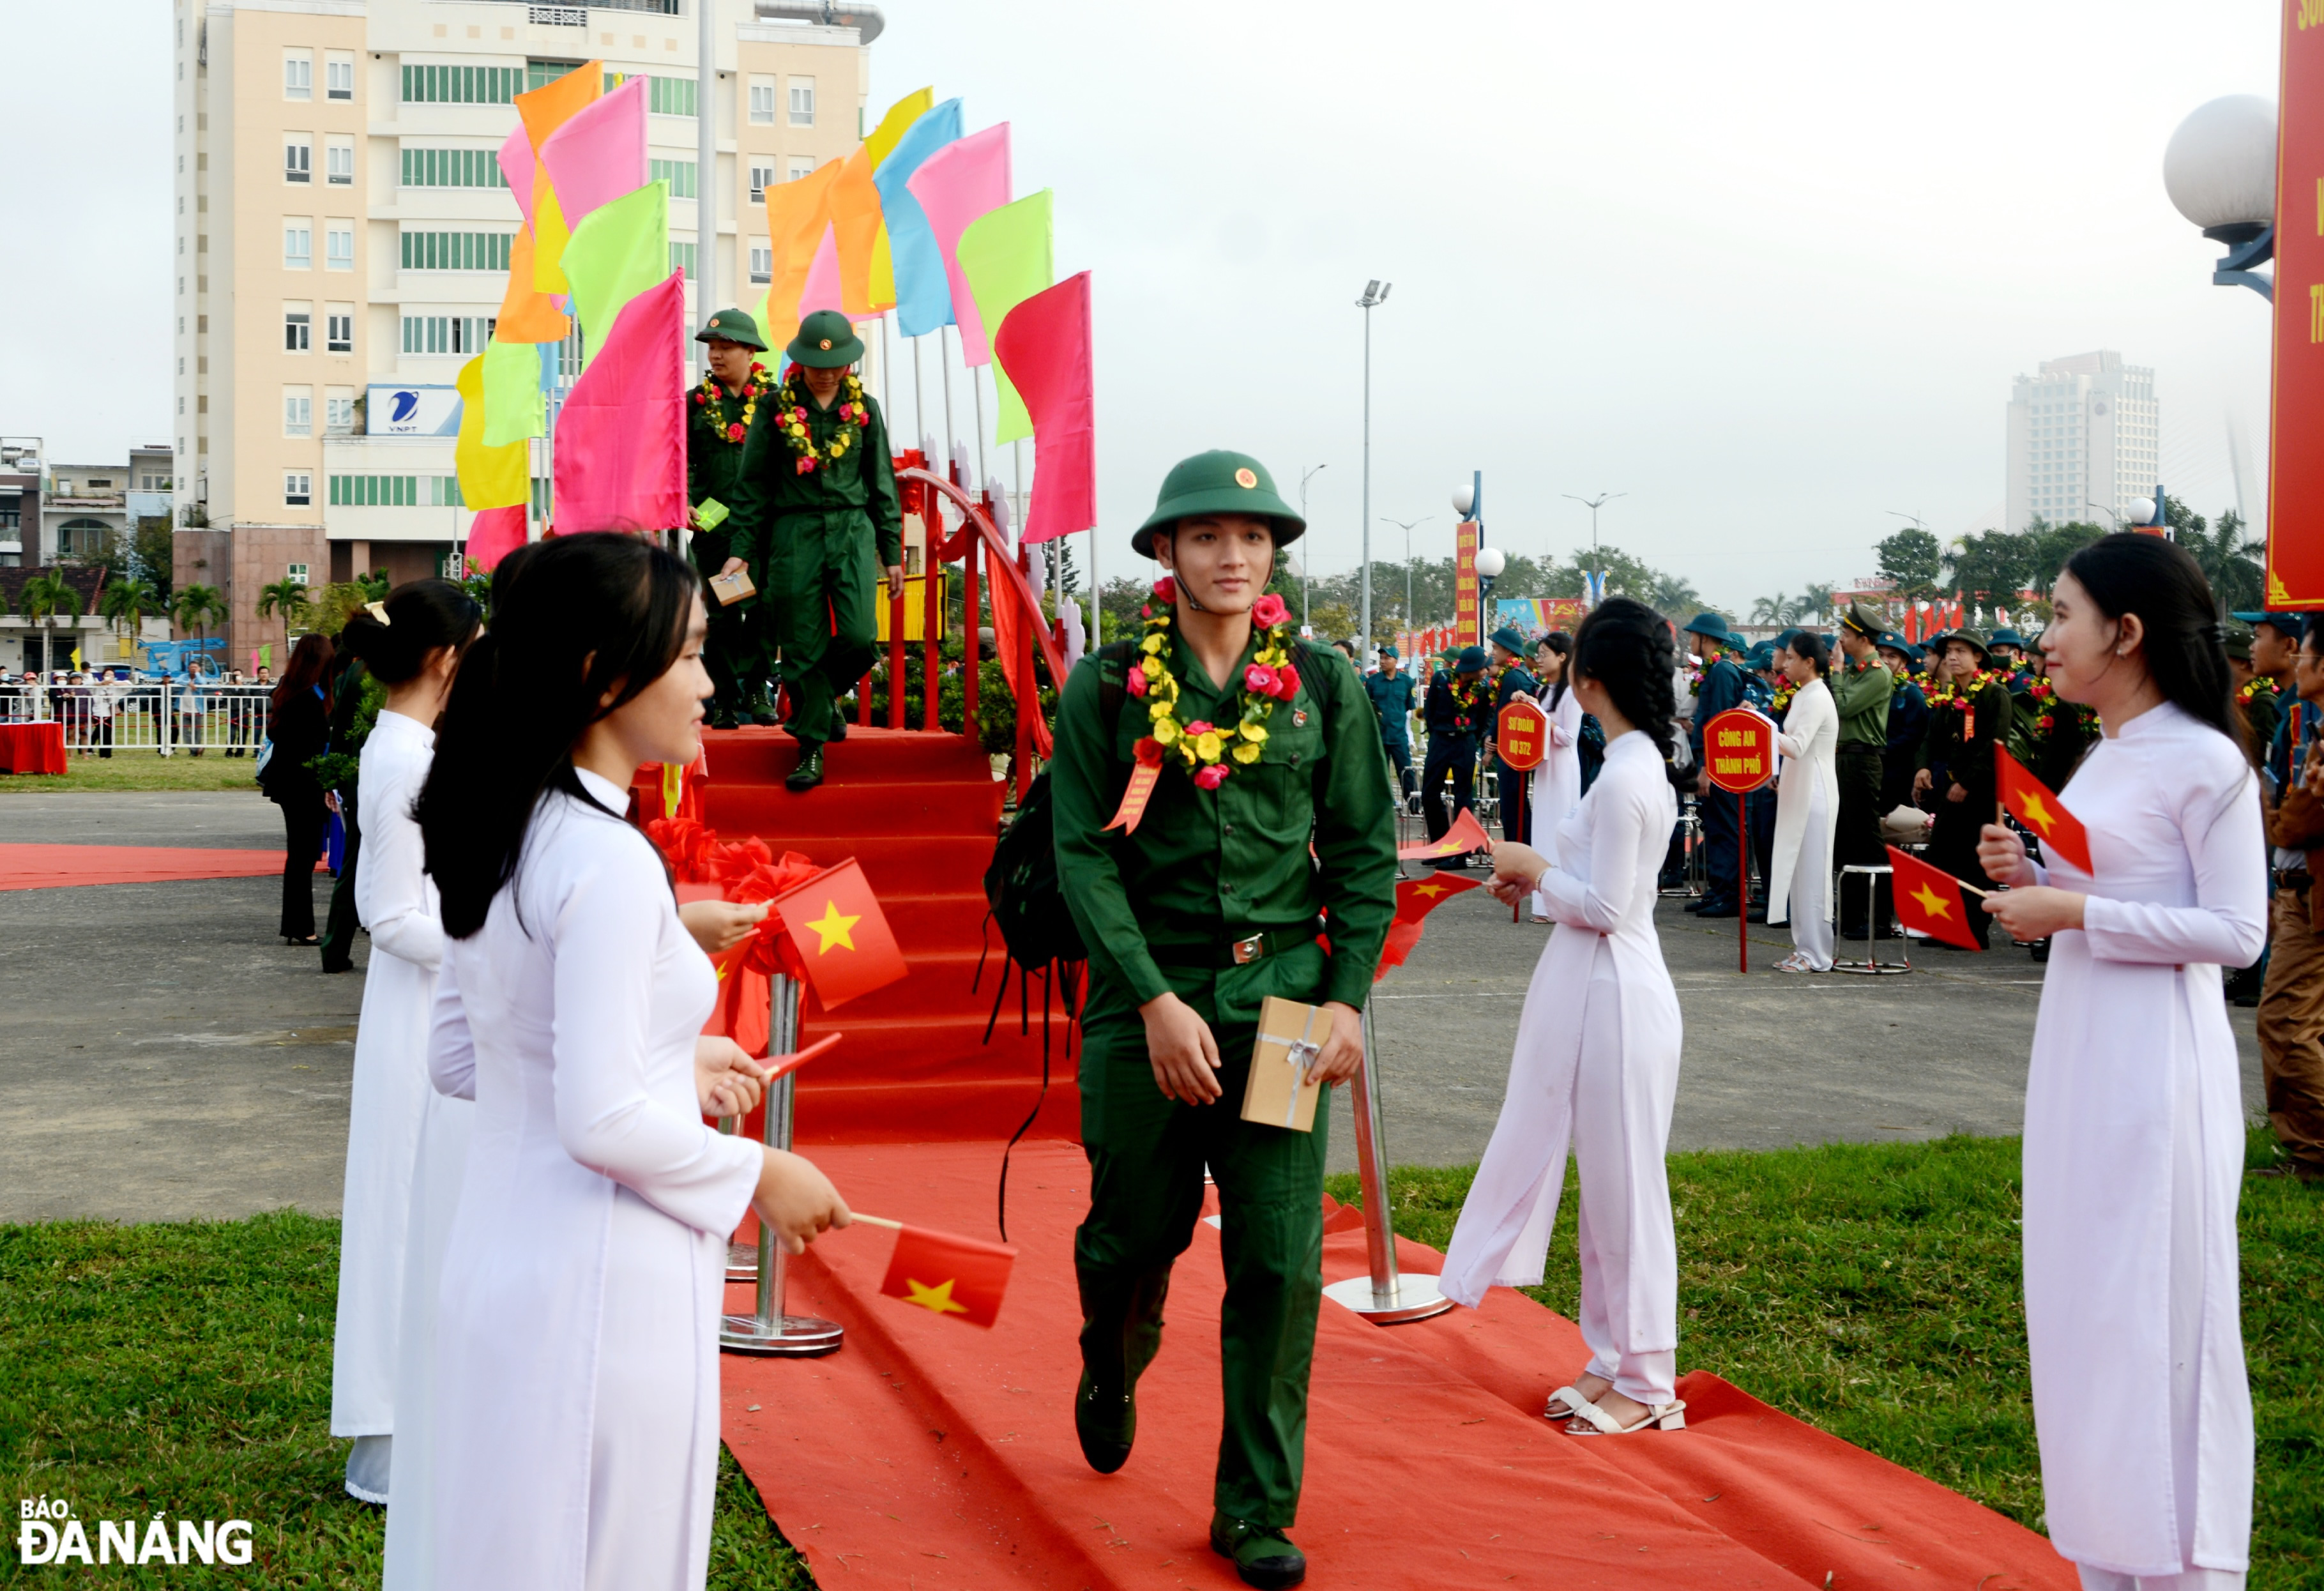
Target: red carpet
(929, 1455)
(52, 867)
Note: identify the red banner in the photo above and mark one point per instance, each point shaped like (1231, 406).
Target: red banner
(2295, 496)
(1739, 750)
(1468, 610)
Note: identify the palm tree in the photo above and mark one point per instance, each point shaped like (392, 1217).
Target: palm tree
(2234, 566)
(286, 597)
(199, 608)
(45, 596)
(1772, 610)
(125, 602)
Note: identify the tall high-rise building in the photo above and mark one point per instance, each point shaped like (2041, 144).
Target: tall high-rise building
(343, 232)
(2082, 440)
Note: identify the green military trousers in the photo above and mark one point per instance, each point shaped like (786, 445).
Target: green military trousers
(731, 651)
(817, 596)
(1146, 1156)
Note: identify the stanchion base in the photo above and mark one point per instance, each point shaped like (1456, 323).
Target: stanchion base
(797, 1337)
(1416, 1298)
(1877, 969)
(742, 1262)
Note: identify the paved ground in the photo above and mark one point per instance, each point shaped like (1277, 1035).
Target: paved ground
(164, 1055)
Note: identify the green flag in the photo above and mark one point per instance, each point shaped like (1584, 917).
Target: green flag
(515, 406)
(618, 251)
(1006, 255)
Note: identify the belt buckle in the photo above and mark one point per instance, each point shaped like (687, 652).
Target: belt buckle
(1247, 951)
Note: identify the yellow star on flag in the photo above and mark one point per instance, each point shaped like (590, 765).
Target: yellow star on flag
(936, 1300)
(2038, 815)
(832, 928)
(1934, 903)
(1428, 889)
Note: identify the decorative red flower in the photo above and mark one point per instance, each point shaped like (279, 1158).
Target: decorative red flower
(756, 366)
(1269, 611)
(1167, 588)
(1286, 682)
(804, 465)
(1260, 678)
(1145, 612)
(1210, 776)
(863, 415)
(735, 431)
(701, 398)
(1148, 751)
(1134, 682)
(1201, 726)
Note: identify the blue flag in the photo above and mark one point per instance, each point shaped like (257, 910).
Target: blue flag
(923, 291)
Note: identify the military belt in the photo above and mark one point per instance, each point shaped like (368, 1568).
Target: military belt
(1236, 950)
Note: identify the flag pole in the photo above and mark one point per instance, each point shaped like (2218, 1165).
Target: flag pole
(944, 373)
(919, 389)
(983, 469)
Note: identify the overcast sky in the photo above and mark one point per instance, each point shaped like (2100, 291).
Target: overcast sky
(1767, 269)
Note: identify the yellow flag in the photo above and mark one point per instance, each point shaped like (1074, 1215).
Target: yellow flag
(490, 477)
(550, 234)
(880, 281)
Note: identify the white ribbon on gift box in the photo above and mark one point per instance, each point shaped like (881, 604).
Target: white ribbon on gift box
(1302, 1055)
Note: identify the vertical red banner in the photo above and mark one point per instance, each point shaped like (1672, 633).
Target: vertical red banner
(1468, 610)
(2295, 496)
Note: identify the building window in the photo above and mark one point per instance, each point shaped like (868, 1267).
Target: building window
(456, 251)
(392, 490)
(339, 74)
(802, 169)
(670, 96)
(297, 158)
(679, 175)
(296, 573)
(464, 85)
(681, 258)
(339, 239)
(297, 492)
(452, 168)
(447, 334)
(339, 411)
(761, 178)
(763, 102)
(802, 102)
(298, 245)
(339, 328)
(340, 154)
(298, 328)
(298, 411)
(298, 74)
(762, 264)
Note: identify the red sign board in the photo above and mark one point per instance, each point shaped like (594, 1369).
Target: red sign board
(1468, 605)
(2295, 497)
(1521, 735)
(1739, 750)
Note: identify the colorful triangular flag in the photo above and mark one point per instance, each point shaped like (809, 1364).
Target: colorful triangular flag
(844, 939)
(2036, 805)
(1931, 900)
(947, 1275)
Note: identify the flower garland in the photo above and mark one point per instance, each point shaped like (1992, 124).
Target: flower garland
(1784, 692)
(2046, 701)
(793, 417)
(711, 396)
(1206, 749)
(2252, 687)
(1962, 697)
(1471, 705)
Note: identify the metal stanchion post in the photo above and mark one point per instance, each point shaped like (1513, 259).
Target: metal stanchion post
(769, 1329)
(1385, 1296)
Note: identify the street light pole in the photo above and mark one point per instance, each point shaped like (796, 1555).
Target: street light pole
(1593, 504)
(1406, 525)
(1305, 476)
(1375, 295)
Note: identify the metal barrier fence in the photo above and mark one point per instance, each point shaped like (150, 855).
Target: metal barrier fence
(165, 716)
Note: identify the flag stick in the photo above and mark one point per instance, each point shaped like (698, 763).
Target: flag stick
(875, 1220)
(983, 469)
(1742, 882)
(943, 373)
(920, 406)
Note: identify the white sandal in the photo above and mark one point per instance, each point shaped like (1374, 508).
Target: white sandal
(1590, 1421)
(1573, 1400)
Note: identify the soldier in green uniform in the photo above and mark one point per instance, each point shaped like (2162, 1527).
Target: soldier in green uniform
(1393, 697)
(819, 524)
(1970, 713)
(1207, 906)
(718, 417)
(1860, 690)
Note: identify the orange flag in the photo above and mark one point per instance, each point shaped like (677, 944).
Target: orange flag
(843, 938)
(527, 314)
(796, 214)
(950, 1275)
(855, 218)
(2036, 805)
(1416, 898)
(1932, 900)
(1466, 835)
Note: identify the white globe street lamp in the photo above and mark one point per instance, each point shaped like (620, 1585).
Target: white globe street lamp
(1464, 498)
(1490, 562)
(2219, 170)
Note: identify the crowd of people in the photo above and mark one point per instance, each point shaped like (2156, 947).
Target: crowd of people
(225, 712)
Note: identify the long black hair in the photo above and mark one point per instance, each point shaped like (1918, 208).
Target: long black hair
(1626, 646)
(1559, 642)
(1809, 645)
(421, 616)
(310, 661)
(2185, 647)
(572, 619)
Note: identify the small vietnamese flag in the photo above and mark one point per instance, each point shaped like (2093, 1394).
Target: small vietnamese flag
(2034, 804)
(843, 940)
(1930, 898)
(1416, 898)
(948, 1275)
(1466, 835)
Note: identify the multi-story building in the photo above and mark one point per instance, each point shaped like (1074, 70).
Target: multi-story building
(2082, 440)
(89, 512)
(342, 236)
(21, 466)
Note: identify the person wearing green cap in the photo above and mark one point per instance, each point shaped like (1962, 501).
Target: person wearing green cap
(1393, 699)
(1510, 681)
(1457, 711)
(1969, 714)
(820, 524)
(718, 416)
(1257, 747)
(1861, 690)
(1722, 686)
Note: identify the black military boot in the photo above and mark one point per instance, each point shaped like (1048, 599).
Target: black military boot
(1263, 1555)
(809, 772)
(1122, 1331)
(758, 706)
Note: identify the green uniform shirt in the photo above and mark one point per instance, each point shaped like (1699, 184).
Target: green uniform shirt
(714, 463)
(1206, 866)
(770, 484)
(1862, 694)
(2261, 708)
(1966, 759)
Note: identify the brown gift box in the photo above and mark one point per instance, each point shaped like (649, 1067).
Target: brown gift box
(1280, 1093)
(731, 589)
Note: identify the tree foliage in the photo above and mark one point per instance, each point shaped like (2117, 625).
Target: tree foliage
(1912, 559)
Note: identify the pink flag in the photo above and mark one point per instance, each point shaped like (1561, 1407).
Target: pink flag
(1044, 345)
(494, 534)
(620, 439)
(821, 291)
(516, 165)
(956, 184)
(600, 153)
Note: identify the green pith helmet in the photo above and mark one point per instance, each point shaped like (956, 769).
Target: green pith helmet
(1218, 482)
(1709, 624)
(732, 326)
(1977, 642)
(1471, 661)
(827, 340)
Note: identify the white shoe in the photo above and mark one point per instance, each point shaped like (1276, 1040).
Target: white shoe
(1590, 1421)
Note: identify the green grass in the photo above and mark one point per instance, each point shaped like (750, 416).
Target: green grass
(1874, 1290)
(138, 771)
(188, 1368)
(1869, 1288)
